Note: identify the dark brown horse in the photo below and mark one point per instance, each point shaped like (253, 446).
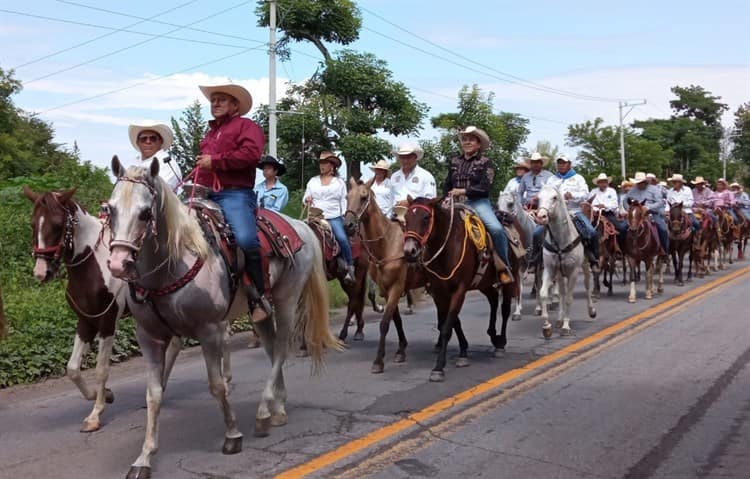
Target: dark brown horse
(728, 232)
(705, 244)
(440, 240)
(744, 228)
(642, 244)
(608, 247)
(680, 241)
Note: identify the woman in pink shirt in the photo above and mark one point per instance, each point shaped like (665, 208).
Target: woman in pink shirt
(724, 198)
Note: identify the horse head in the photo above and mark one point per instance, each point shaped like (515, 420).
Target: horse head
(53, 222)
(358, 199)
(506, 205)
(419, 222)
(550, 200)
(675, 218)
(637, 214)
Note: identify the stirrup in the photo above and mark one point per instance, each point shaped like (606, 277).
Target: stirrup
(260, 309)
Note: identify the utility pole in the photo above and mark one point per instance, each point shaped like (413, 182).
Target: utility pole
(272, 80)
(622, 105)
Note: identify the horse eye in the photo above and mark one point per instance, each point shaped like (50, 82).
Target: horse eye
(145, 214)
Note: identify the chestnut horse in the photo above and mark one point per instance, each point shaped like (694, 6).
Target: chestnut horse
(680, 241)
(608, 246)
(728, 232)
(642, 244)
(705, 244)
(438, 239)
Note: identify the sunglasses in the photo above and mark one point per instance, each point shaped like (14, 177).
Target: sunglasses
(149, 138)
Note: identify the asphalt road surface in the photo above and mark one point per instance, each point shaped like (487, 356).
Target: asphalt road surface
(659, 388)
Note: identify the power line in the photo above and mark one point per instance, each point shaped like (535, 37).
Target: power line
(100, 37)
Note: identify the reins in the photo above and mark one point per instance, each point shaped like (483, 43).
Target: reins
(379, 262)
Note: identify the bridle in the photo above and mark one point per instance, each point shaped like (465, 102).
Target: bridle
(364, 241)
(151, 226)
(54, 254)
(422, 239)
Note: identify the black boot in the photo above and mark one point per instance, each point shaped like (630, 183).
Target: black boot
(594, 246)
(259, 306)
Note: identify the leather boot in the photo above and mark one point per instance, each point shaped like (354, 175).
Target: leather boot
(594, 246)
(503, 272)
(259, 306)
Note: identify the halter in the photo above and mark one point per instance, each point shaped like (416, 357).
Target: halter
(137, 243)
(54, 254)
(422, 239)
(358, 218)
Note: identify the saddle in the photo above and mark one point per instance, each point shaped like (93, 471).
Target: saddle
(331, 248)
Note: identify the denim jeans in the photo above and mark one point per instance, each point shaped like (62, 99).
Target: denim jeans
(337, 226)
(585, 228)
(483, 209)
(661, 228)
(238, 206)
(746, 213)
(620, 225)
(696, 224)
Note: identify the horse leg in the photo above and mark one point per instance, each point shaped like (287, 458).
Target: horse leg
(505, 313)
(463, 345)
(360, 289)
(350, 291)
(649, 278)
(587, 284)
(493, 298)
(660, 260)
(456, 301)
(632, 263)
(517, 313)
(285, 315)
(385, 323)
(543, 297)
(400, 356)
(409, 302)
(175, 345)
(538, 280)
(92, 422)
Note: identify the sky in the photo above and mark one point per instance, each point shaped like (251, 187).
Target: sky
(91, 68)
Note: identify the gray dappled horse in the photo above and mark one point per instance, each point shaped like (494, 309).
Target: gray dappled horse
(158, 245)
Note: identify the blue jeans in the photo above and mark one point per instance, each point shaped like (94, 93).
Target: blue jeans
(238, 206)
(337, 226)
(661, 228)
(483, 209)
(585, 228)
(734, 216)
(696, 224)
(620, 225)
(746, 213)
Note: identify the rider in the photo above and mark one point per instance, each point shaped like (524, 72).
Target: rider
(625, 186)
(644, 191)
(604, 199)
(680, 193)
(659, 184)
(575, 190)
(152, 140)
(703, 197)
(470, 175)
(724, 198)
(382, 187)
(522, 167)
(743, 200)
(229, 153)
(411, 179)
(328, 192)
(528, 191)
(272, 193)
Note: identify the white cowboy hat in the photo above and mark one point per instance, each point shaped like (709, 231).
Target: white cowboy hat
(722, 180)
(405, 149)
(563, 158)
(735, 185)
(536, 156)
(699, 180)
(330, 157)
(676, 177)
(237, 92)
(640, 177)
(662, 183)
(602, 177)
(522, 164)
(381, 165)
(484, 139)
(650, 176)
(160, 128)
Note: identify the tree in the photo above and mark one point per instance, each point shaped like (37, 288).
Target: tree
(740, 139)
(545, 148)
(188, 133)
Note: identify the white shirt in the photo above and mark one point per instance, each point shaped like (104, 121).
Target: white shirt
(576, 186)
(512, 185)
(383, 196)
(169, 172)
(419, 183)
(608, 198)
(331, 198)
(684, 196)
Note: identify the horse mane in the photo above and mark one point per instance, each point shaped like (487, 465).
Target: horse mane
(183, 231)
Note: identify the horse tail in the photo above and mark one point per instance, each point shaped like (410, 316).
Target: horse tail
(313, 322)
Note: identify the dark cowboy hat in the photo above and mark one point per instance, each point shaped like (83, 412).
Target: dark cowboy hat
(270, 160)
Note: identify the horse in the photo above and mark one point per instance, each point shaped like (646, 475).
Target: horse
(727, 233)
(563, 256)
(642, 244)
(744, 233)
(181, 286)
(705, 243)
(680, 241)
(608, 246)
(511, 211)
(437, 233)
(382, 240)
(64, 233)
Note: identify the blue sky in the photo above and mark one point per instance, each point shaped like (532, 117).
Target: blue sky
(635, 49)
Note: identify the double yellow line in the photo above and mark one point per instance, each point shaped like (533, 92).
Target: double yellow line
(453, 402)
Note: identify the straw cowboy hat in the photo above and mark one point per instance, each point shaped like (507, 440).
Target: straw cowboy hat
(243, 97)
(735, 185)
(381, 165)
(536, 156)
(699, 181)
(721, 180)
(270, 160)
(522, 164)
(626, 183)
(602, 177)
(676, 177)
(408, 148)
(330, 157)
(640, 177)
(480, 134)
(160, 128)
(662, 183)
(650, 176)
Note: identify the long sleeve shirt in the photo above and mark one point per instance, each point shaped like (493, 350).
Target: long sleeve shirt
(576, 186)
(724, 199)
(652, 197)
(684, 195)
(531, 184)
(168, 171)
(383, 192)
(273, 198)
(607, 199)
(330, 198)
(418, 184)
(235, 145)
(703, 198)
(474, 174)
(743, 200)
(512, 185)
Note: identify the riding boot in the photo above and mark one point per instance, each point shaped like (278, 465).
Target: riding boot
(594, 245)
(259, 306)
(503, 271)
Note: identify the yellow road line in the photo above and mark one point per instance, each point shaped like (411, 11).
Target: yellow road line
(451, 402)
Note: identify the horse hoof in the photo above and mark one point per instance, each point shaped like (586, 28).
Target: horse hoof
(559, 323)
(262, 426)
(462, 362)
(649, 296)
(139, 472)
(91, 426)
(399, 358)
(499, 352)
(302, 353)
(278, 420)
(547, 332)
(538, 310)
(232, 445)
(437, 376)
(109, 396)
(409, 310)
(359, 336)
(565, 332)
(515, 317)
(592, 313)
(376, 368)
(659, 289)
(378, 308)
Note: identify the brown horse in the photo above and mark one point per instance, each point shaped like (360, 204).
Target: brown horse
(642, 244)
(439, 239)
(705, 244)
(744, 233)
(727, 232)
(680, 241)
(609, 248)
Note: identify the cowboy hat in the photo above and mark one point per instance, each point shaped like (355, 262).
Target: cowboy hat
(536, 156)
(602, 177)
(735, 185)
(330, 157)
(662, 183)
(676, 177)
(563, 158)
(243, 97)
(381, 165)
(160, 128)
(640, 177)
(270, 160)
(722, 180)
(480, 134)
(699, 180)
(522, 164)
(650, 176)
(406, 149)
(626, 183)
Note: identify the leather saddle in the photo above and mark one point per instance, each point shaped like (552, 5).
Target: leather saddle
(334, 266)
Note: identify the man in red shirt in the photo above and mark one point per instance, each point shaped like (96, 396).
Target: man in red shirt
(229, 153)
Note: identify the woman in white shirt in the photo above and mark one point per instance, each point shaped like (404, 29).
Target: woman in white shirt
(328, 193)
(153, 140)
(382, 188)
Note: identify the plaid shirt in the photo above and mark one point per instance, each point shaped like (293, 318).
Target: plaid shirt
(474, 174)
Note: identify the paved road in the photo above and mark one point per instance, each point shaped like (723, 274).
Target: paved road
(671, 399)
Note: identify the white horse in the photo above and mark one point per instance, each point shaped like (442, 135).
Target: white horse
(159, 247)
(563, 255)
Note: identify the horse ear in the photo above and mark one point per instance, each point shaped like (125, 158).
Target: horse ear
(154, 168)
(642, 202)
(67, 195)
(117, 168)
(409, 200)
(435, 201)
(352, 182)
(30, 194)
